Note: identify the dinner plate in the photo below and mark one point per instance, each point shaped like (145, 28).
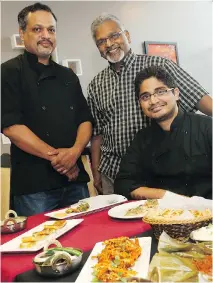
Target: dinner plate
(141, 265)
(13, 245)
(96, 203)
(120, 210)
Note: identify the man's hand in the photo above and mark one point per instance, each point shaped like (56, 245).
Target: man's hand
(72, 174)
(147, 193)
(97, 181)
(65, 159)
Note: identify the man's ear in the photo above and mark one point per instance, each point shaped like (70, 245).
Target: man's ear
(127, 36)
(21, 33)
(176, 94)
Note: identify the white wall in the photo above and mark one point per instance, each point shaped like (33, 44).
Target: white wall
(187, 23)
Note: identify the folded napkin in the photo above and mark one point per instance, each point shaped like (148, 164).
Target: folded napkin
(175, 201)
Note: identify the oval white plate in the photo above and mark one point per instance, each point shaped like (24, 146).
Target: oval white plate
(120, 210)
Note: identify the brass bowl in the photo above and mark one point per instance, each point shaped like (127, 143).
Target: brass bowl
(58, 264)
(13, 224)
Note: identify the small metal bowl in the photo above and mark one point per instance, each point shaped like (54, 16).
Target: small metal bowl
(58, 264)
(13, 224)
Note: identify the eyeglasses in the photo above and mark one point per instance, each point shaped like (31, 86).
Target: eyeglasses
(157, 93)
(112, 37)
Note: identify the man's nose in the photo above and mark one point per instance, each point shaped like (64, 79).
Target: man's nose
(153, 99)
(45, 33)
(108, 42)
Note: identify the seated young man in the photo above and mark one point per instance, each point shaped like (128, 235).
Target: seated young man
(174, 153)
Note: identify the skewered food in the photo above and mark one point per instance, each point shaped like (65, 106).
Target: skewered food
(28, 242)
(143, 208)
(83, 206)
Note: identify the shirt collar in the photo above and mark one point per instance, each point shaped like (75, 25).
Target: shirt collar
(177, 122)
(126, 62)
(41, 69)
(33, 59)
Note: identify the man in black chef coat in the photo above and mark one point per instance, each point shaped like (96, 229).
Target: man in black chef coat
(174, 153)
(46, 117)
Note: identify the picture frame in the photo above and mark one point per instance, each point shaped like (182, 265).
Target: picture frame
(5, 140)
(16, 42)
(74, 64)
(167, 50)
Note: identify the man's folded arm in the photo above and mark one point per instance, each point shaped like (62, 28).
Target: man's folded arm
(130, 176)
(133, 177)
(12, 124)
(26, 140)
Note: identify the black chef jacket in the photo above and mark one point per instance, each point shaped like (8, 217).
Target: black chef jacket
(179, 160)
(49, 101)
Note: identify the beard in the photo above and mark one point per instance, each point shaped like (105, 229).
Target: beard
(45, 51)
(167, 115)
(114, 57)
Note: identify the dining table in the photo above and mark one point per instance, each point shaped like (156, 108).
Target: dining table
(95, 227)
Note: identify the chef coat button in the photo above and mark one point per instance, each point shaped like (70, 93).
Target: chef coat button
(71, 107)
(44, 108)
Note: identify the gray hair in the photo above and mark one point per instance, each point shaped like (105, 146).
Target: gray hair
(103, 18)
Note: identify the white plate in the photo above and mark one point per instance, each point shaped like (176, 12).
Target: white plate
(141, 265)
(96, 203)
(120, 210)
(13, 245)
(203, 234)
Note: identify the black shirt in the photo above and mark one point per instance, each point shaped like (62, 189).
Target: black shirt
(179, 160)
(49, 101)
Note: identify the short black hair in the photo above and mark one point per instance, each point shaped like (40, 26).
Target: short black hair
(157, 72)
(22, 16)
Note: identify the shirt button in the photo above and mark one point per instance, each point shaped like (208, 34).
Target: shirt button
(186, 184)
(186, 132)
(71, 107)
(44, 108)
(47, 133)
(38, 83)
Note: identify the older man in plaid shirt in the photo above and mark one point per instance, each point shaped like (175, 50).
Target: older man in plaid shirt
(113, 103)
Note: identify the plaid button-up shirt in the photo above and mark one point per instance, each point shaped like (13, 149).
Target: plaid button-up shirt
(116, 109)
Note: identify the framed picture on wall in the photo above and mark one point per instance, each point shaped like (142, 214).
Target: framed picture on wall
(74, 64)
(16, 42)
(163, 49)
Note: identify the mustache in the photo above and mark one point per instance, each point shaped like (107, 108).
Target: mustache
(108, 49)
(45, 41)
(153, 106)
